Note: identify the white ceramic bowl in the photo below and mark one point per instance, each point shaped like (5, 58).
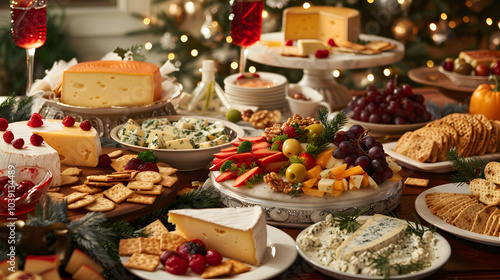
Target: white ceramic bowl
(184, 160)
(468, 81)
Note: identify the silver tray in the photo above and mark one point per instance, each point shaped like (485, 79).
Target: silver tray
(300, 212)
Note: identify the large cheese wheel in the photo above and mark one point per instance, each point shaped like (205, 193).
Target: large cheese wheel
(111, 83)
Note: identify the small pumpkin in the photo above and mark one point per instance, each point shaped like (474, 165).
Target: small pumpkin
(486, 100)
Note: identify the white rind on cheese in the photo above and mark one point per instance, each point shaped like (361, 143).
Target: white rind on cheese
(238, 233)
(379, 231)
(42, 156)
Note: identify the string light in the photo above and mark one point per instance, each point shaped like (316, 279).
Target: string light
(444, 16)
(194, 52)
(184, 38)
(336, 73)
(148, 46)
(189, 8)
(465, 19)
(452, 24)
(489, 21)
(265, 14)
(387, 72)
(252, 69)
(430, 63)
(234, 65)
(306, 5)
(370, 77)
(171, 56)
(370, 1)
(401, 2)
(146, 21)
(433, 26)
(229, 39)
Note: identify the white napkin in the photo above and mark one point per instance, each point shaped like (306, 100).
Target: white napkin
(52, 77)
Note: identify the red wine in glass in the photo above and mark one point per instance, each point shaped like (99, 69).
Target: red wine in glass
(246, 25)
(29, 29)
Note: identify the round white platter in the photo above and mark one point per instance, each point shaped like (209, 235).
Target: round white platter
(299, 212)
(442, 254)
(426, 214)
(279, 256)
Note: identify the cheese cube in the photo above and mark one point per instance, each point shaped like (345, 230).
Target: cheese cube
(355, 182)
(179, 144)
(326, 185)
(310, 46)
(111, 83)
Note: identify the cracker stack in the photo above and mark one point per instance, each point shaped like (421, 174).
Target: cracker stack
(470, 134)
(477, 212)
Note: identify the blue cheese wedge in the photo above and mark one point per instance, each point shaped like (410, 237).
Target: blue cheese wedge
(378, 232)
(179, 144)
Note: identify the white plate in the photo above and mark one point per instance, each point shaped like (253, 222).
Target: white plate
(377, 129)
(442, 251)
(279, 80)
(466, 81)
(280, 255)
(426, 214)
(433, 167)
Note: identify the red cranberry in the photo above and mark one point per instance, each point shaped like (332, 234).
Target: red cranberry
(166, 255)
(289, 42)
(18, 143)
(85, 125)
(68, 121)
(191, 248)
(133, 164)
(197, 263)
(148, 166)
(4, 124)
(176, 265)
(35, 121)
(104, 160)
(213, 257)
(8, 136)
(24, 187)
(36, 140)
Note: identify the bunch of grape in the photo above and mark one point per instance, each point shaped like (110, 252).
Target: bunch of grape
(391, 105)
(356, 147)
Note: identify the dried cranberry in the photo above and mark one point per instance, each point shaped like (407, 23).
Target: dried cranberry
(68, 121)
(332, 43)
(18, 143)
(8, 136)
(148, 166)
(133, 164)
(213, 257)
(104, 160)
(197, 263)
(4, 180)
(4, 124)
(36, 140)
(322, 53)
(37, 115)
(85, 125)
(289, 42)
(176, 265)
(35, 121)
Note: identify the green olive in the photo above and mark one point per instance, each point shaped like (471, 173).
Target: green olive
(314, 129)
(296, 173)
(291, 147)
(463, 68)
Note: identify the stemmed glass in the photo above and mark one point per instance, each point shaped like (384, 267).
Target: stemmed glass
(29, 29)
(246, 25)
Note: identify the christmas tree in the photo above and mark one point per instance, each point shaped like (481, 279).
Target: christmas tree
(431, 30)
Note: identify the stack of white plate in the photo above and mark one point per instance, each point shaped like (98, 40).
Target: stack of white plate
(266, 98)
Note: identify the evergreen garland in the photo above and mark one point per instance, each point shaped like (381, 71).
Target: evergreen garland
(16, 109)
(467, 168)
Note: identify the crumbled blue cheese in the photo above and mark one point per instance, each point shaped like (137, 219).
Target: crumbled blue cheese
(162, 134)
(325, 243)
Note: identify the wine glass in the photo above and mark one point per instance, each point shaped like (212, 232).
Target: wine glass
(246, 25)
(29, 29)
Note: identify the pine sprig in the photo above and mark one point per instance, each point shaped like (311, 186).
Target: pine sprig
(330, 127)
(418, 229)
(15, 108)
(467, 168)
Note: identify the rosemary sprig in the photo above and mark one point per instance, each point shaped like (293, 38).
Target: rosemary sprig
(467, 168)
(382, 263)
(330, 127)
(418, 229)
(296, 190)
(349, 223)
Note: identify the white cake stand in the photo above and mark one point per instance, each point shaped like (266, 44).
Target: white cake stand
(318, 72)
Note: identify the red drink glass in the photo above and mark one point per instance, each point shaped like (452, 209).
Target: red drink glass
(246, 25)
(29, 29)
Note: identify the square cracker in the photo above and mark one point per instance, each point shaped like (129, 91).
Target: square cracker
(119, 163)
(168, 181)
(167, 171)
(171, 240)
(418, 182)
(142, 198)
(155, 229)
(116, 153)
(129, 246)
(155, 191)
(68, 180)
(87, 200)
(217, 270)
(101, 204)
(143, 261)
(71, 171)
(118, 193)
(72, 197)
(150, 245)
(86, 189)
(149, 176)
(140, 185)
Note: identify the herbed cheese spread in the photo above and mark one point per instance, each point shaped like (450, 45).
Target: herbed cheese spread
(320, 243)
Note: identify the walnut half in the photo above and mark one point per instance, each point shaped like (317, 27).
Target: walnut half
(276, 183)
